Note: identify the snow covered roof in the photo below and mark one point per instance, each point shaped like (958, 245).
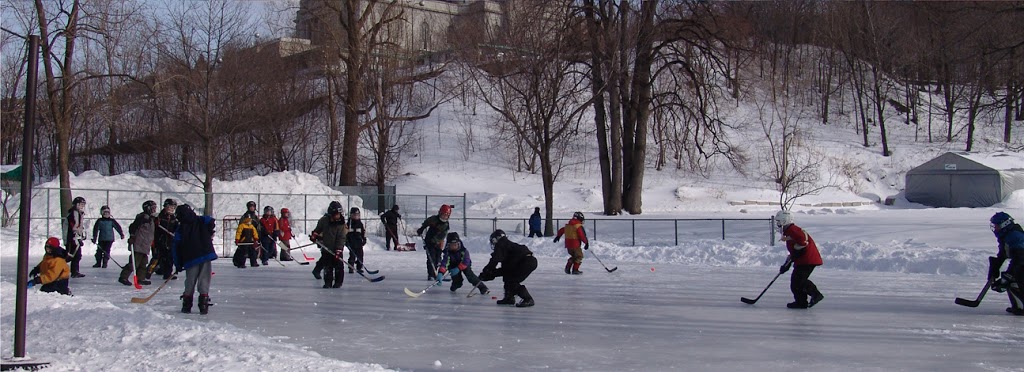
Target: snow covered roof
(996, 160)
(4, 168)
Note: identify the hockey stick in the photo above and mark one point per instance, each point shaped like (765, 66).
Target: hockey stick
(371, 280)
(602, 263)
(975, 302)
(420, 293)
(366, 269)
(473, 292)
(751, 302)
(142, 300)
(131, 260)
(284, 247)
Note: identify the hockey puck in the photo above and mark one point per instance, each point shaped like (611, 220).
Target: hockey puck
(494, 297)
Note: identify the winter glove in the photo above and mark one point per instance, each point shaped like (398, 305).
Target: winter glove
(454, 271)
(557, 238)
(314, 237)
(32, 282)
(785, 267)
(487, 275)
(441, 270)
(419, 232)
(131, 240)
(994, 264)
(34, 272)
(586, 246)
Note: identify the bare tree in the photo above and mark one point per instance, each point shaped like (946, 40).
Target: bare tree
(538, 88)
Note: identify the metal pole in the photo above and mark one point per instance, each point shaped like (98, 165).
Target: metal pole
(771, 230)
(465, 217)
(676, 223)
(633, 226)
(24, 220)
(723, 229)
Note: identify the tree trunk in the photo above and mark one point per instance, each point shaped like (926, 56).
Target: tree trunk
(880, 109)
(1008, 118)
(640, 106)
(598, 58)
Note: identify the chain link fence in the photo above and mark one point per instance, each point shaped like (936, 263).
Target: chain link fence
(306, 209)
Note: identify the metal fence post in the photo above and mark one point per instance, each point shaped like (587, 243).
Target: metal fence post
(465, 217)
(723, 229)
(494, 225)
(633, 227)
(47, 212)
(676, 223)
(305, 212)
(771, 230)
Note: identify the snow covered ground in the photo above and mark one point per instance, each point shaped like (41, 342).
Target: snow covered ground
(890, 276)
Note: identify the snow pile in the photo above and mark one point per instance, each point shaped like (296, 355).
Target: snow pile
(898, 257)
(137, 337)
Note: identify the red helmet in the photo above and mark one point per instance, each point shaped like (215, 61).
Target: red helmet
(285, 211)
(445, 211)
(53, 242)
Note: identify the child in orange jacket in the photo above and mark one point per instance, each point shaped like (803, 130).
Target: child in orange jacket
(574, 235)
(53, 272)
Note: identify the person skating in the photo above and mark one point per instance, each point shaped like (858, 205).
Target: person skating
(192, 250)
(436, 228)
(574, 235)
(103, 236)
(356, 239)
(75, 237)
(246, 237)
(53, 271)
(456, 261)
(390, 220)
(140, 241)
(269, 232)
(535, 221)
(162, 263)
(330, 234)
(1010, 237)
(803, 257)
(517, 262)
(285, 225)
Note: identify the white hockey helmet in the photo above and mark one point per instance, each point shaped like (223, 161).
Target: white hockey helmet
(783, 218)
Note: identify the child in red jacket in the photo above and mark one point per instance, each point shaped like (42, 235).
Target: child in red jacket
(803, 254)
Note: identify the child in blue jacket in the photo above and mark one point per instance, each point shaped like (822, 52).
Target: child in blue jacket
(103, 236)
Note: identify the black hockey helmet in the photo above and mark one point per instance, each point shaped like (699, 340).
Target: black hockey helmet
(334, 208)
(169, 202)
(250, 204)
(578, 216)
(497, 236)
(149, 206)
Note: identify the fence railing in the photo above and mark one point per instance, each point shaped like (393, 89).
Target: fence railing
(306, 209)
(651, 231)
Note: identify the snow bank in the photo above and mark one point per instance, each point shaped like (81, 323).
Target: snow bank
(133, 337)
(898, 257)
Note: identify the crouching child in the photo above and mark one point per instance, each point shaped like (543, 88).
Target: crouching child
(517, 262)
(53, 272)
(456, 262)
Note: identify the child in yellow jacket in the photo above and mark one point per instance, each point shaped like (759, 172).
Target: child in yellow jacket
(246, 238)
(53, 272)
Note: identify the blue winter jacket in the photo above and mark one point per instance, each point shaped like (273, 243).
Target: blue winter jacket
(535, 222)
(1011, 244)
(104, 229)
(193, 240)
